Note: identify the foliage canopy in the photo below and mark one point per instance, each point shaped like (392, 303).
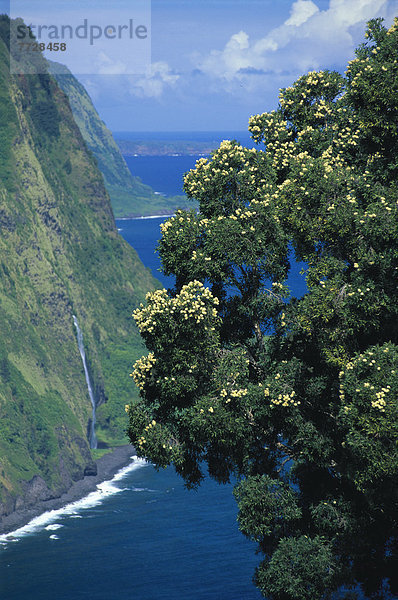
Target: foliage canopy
(296, 397)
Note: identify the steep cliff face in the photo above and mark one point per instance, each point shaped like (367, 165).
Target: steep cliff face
(60, 254)
(129, 196)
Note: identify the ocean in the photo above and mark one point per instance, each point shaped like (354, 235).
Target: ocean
(142, 536)
(163, 173)
(143, 235)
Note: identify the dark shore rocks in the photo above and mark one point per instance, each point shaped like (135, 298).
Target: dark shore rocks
(91, 470)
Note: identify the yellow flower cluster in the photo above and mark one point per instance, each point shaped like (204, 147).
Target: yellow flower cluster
(238, 393)
(322, 109)
(282, 399)
(282, 152)
(247, 214)
(306, 86)
(157, 304)
(394, 27)
(193, 302)
(360, 291)
(178, 224)
(380, 403)
(141, 370)
(201, 162)
(306, 132)
(231, 160)
(285, 400)
(228, 395)
(370, 362)
(142, 440)
(254, 125)
(268, 126)
(164, 227)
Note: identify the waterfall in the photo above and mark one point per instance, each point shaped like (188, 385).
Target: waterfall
(93, 438)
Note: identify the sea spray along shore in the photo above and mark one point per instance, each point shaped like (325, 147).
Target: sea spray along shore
(144, 217)
(110, 468)
(48, 520)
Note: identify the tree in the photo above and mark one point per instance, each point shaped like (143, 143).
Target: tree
(297, 397)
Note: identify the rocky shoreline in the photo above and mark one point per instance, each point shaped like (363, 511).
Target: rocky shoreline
(107, 466)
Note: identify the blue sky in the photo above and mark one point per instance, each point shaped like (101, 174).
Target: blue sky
(216, 62)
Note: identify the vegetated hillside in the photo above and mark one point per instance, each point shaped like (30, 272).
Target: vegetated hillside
(129, 196)
(60, 254)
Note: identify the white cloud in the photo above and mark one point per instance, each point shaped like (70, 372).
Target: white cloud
(108, 66)
(151, 85)
(301, 11)
(350, 12)
(309, 39)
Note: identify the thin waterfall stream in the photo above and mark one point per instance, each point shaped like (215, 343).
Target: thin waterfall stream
(92, 437)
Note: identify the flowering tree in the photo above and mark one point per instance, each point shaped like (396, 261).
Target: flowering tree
(298, 398)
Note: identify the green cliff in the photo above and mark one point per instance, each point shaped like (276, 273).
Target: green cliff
(60, 254)
(129, 196)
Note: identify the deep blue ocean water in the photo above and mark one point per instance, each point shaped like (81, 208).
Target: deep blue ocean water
(163, 173)
(143, 235)
(142, 537)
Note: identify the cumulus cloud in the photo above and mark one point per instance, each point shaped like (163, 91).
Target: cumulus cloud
(151, 85)
(301, 11)
(107, 66)
(308, 39)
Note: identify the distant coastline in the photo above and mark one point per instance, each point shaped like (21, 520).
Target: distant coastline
(161, 148)
(174, 144)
